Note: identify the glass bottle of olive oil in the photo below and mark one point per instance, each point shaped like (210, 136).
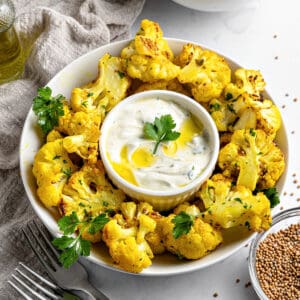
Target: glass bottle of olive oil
(11, 57)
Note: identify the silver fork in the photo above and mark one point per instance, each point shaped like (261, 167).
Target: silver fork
(27, 286)
(74, 278)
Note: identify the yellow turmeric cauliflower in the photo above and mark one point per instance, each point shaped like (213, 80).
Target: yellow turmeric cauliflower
(252, 159)
(83, 130)
(198, 242)
(52, 167)
(89, 193)
(244, 112)
(206, 72)
(125, 237)
(229, 205)
(148, 57)
(102, 94)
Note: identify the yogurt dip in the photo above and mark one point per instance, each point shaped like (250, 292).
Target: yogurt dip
(175, 164)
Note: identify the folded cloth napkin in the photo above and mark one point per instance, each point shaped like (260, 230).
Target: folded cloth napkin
(54, 33)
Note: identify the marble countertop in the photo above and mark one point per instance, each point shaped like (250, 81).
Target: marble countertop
(263, 36)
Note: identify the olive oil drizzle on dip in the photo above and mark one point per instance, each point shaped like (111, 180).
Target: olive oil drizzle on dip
(175, 164)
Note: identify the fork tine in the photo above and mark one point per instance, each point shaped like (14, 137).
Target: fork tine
(46, 239)
(19, 290)
(53, 261)
(28, 288)
(45, 291)
(47, 282)
(41, 259)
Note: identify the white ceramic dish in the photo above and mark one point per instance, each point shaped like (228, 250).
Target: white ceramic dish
(162, 199)
(79, 72)
(216, 5)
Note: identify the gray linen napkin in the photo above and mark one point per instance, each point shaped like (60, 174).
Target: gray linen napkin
(56, 32)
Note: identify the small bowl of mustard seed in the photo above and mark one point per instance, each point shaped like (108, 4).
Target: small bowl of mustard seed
(274, 260)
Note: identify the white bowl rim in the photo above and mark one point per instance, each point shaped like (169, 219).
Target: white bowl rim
(206, 119)
(190, 266)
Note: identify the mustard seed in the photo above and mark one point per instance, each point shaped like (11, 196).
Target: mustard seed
(278, 264)
(238, 280)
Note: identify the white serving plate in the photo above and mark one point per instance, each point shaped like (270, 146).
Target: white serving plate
(79, 72)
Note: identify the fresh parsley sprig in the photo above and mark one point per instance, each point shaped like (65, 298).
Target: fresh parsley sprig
(73, 247)
(48, 108)
(161, 130)
(183, 224)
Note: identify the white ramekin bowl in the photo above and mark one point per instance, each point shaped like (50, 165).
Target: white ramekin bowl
(166, 199)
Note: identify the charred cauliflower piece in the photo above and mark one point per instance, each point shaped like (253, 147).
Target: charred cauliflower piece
(206, 72)
(109, 88)
(250, 81)
(198, 242)
(89, 193)
(52, 167)
(230, 205)
(244, 112)
(83, 130)
(125, 237)
(252, 159)
(149, 57)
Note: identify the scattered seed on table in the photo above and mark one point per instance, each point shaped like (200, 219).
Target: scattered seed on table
(285, 193)
(293, 132)
(283, 106)
(276, 57)
(298, 186)
(286, 94)
(278, 262)
(215, 295)
(281, 208)
(247, 284)
(238, 280)
(291, 194)
(295, 99)
(294, 175)
(275, 36)
(295, 181)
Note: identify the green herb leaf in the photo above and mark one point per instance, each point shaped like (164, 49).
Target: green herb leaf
(214, 107)
(63, 242)
(98, 223)
(68, 224)
(73, 247)
(121, 74)
(161, 130)
(68, 256)
(183, 223)
(228, 96)
(252, 132)
(272, 195)
(47, 108)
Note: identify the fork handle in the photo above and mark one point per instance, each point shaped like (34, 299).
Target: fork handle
(92, 292)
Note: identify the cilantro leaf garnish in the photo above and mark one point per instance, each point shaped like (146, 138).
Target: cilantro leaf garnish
(73, 247)
(183, 223)
(161, 130)
(47, 108)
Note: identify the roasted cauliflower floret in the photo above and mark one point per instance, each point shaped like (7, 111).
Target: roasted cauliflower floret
(188, 53)
(148, 57)
(89, 193)
(230, 205)
(52, 167)
(198, 242)
(250, 81)
(109, 88)
(126, 241)
(252, 159)
(244, 112)
(77, 144)
(53, 135)
(207, 74)
(83, 130)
